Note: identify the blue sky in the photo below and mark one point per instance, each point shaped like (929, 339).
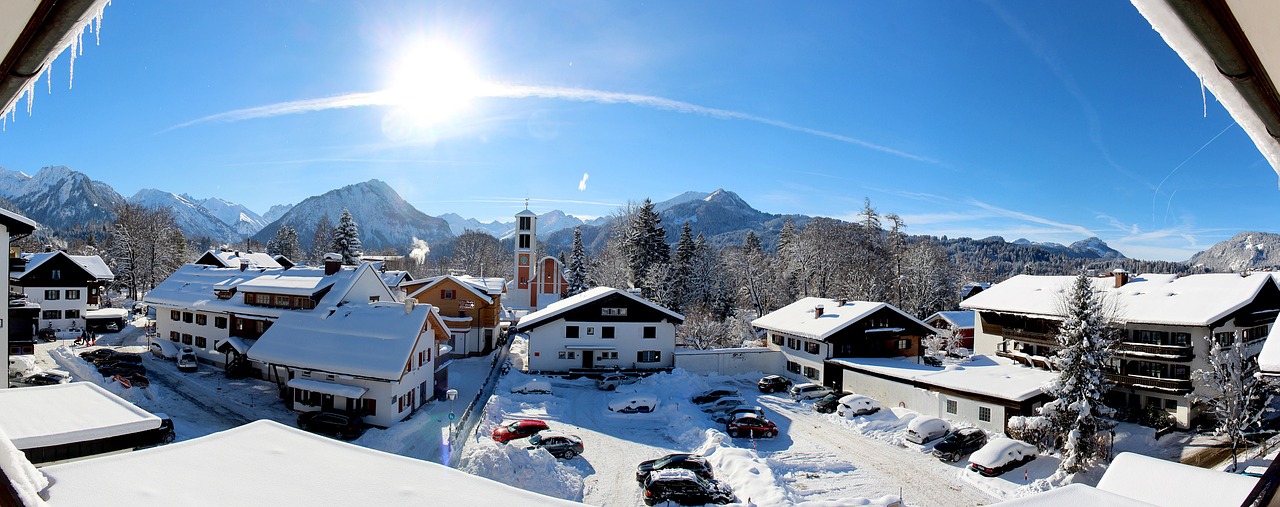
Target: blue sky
(1051, 121)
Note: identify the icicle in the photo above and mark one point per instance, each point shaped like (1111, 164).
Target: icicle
(1204, 100)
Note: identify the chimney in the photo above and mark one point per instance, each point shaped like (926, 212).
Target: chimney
(332, 263)
(841, 301)
(244, 264)
(817, 311)
(48, 248)
(409, 303)
(1122, 277)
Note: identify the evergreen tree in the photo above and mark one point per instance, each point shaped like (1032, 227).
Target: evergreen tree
(684, 283)
(285, 243)
(1077, 415)
(1239, 398)
(322, 240)
(577, 267)
(346, 239)
(646, 244)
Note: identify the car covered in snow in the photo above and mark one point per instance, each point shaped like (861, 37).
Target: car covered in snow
(1001, 455)
(334, 424)
(723, 403)
(535, 386)
(828, 404)
(560, 445)
(163, 349)
(855, 405)
(633, 403)
(751, 426)
(46, 378)
(518, 429)
(712, 395)
(925, 429)
(612, 381)
(773, 384)
(187, 361)
(21, 366)
(959, 443)
(808, 391)
(685, 461)
(724, 415)
(684, 487)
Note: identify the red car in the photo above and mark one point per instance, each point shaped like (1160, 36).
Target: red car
(518, 429)
(751, 426)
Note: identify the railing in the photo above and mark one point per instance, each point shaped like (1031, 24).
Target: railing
(1032, 336)
(1168, 352)
(1138, 381)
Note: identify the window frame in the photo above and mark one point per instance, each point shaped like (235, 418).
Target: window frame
(984, 414)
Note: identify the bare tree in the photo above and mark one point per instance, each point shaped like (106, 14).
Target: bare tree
(477, 253)
(1238, 398)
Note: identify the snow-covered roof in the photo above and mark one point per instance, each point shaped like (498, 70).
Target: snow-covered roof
(268, 463)
(15, 223)
(106, 313)
(1193, 300)
(480, 291)
(395, 278)
(92, 264)
(983, 375)
(1073, 495)
(797, 318)
(66, 413)
(232, 259)
(361, 339)
(192, 287)
(554, 309)
(960, 319)
(1171, 484)
(287, 285)
(343, 390)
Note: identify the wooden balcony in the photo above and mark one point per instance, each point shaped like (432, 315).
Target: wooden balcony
(1030, 336)
(1168, 385)
(1163, 352)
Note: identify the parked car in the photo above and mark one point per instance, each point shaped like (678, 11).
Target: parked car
(751, 426)
(612, 381)
(187, 361)
(932, 360)
(827, 404)
(559, 445)
(685, 488)
(121, 357)
(723, 403)
(773, 384)
(124, 369)
(723, 416)
(924, 429)
(334, 424)
(46, 378)
(1001, 455)
(679, 461)
(855, 405)
(534, 386)
(809, 391)
(20, 366)
(163, 349)
(96, 355)
(959, 443)
(518, 429)
(633, 403)
(714, 394)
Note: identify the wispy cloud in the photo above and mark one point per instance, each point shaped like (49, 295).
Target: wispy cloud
(514, 91)
(1027, 217)
(582, 185)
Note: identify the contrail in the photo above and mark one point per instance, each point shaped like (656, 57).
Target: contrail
(511, 91)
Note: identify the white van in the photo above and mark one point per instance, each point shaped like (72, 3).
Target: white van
(21, 366)
(855, 405)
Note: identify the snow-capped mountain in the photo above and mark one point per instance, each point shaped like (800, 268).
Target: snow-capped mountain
(60, 198)
(1243, 252)
(276, 212)
(459, 225)
(549, 222)
(1088, 248)
(384, 218)
(242, 220)
(194, 220)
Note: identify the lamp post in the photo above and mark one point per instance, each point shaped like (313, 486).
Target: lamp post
(452, 394)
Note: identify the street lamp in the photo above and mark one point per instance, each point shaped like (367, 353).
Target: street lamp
(452, 394)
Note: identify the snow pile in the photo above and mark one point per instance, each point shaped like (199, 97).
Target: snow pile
(28, 481)
(530, 470)
(83, 370)
(519, 352)
(750, 476)
(886, 425)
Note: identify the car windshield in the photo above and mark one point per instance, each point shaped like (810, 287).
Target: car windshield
(535, 439)
(666, 460)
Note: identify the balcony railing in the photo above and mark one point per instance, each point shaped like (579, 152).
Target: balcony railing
(1030, 336)
(1166, 352)
(1174, 385)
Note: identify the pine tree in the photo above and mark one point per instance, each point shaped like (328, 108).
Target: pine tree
(646, 244)
(346, 239)
(1077, 415)
(1238, 398)
(321, 240)
(285, 243)
(577, 267)
(684, 284)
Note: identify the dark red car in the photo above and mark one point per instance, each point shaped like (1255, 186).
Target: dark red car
(518, 429)
(751, 426)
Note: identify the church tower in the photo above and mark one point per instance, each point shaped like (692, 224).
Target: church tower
(526, 243)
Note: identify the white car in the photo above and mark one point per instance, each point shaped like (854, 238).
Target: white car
(809, 391)
(855, 405)
(1001, 455)
(924, 429)
(723, 403)
(21, 366)
(611, 382)
(187, 361)
(535, 386)
(631, 404)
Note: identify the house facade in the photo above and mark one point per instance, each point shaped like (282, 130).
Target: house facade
(471, 307)
(64, 286)
(12, 227)
(1168, 326)
(958, 322)
(812, 330)
(601, 329)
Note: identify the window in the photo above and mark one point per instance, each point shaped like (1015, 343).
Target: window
(1224, 338)
(52, 295)
(650, 331)
(1180, 339)
(1253, 334)
(374, 299)
(282, 300)
(564, 355)
(1171, 404)
(220, 322)
(591, 331)
(984, 414)
(793, 367)
(793, 343)
(606, 331)
(202, 319)
(73, 294)
(447, 294)
(524, 241)
(51, 314)
(526, 223)
(609, 355)
(812, 347)
(71, 314)
(648, 356)
(777, 339)
(904, 344)
(55, 274)
(200, 342)
(173, 336)
(613, 312)
(175, 315)
(573, 355)
(188, 317)
(811, 372)
(571, 331)
(186, 339)
(368, 406)
(952, 406)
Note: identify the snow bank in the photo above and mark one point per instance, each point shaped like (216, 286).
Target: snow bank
(532, 470)
(85, 371)
(519, 353)
(886, 425)
(26, 480)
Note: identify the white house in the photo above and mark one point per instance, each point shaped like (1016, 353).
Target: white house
(602, 328)
(236, 259)
(1169, 325)
(65, 286)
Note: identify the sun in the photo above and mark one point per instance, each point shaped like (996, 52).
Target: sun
(432, 84)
